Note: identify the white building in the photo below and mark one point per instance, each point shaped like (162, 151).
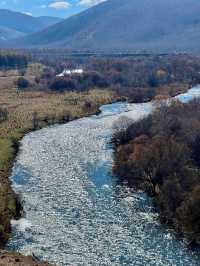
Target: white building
(68, 72)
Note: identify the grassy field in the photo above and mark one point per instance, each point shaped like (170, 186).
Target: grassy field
(27, 111)
(47, 107)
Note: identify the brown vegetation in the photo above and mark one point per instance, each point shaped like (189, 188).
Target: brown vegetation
(139, 78)
(26, 111)
(160, 154)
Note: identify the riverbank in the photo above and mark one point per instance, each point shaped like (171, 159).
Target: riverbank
(160, 155)
(28, 111)
(14, 259)
(32, 110)
(76, 211)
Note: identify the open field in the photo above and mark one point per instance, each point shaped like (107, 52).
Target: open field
(47, 107)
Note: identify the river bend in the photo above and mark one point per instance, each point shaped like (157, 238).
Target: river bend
(75, 213)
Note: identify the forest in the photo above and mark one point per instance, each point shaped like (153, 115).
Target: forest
(138, 79)
(160, 155)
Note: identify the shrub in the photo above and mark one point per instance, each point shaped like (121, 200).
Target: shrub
(3, 114)
(160, 154)
(22, 83)
(10, 59)
(62, 84)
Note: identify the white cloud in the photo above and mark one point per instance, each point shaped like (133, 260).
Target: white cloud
(90, 2)
(28, 13)
(59, 5)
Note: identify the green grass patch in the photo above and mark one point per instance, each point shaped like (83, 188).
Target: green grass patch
(6, 153)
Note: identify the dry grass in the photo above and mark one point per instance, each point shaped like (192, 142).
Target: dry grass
(48, 106)
(22, 107)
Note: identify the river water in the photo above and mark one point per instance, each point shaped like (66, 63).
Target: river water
(75, 212)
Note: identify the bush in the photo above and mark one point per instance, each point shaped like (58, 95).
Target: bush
(62, 84)
(10, 59)
(160, 154)
(22, 83)
(153, 81)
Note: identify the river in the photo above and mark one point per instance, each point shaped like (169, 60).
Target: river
(75, 212)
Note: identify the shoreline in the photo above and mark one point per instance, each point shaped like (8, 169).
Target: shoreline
(14, 206)
(13, 199)
(155, 186)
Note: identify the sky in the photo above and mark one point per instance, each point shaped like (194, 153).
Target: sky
(58, 8)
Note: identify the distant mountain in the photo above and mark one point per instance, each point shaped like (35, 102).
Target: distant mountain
(152, 25)
(15, 24)
(46, 21)
(7, 34)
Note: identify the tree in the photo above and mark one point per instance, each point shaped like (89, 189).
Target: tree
(153, 81)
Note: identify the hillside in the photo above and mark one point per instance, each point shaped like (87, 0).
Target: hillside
(7, 34)
(126, 25)
(15, 24)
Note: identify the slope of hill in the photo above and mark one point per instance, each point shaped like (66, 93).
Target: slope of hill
(15, 24)
(46, 21)
(7, 34)
(129, 24)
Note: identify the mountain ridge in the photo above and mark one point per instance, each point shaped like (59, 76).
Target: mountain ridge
(152, 25)
(15, 24)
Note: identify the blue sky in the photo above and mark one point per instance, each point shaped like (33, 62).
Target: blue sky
(59, 8)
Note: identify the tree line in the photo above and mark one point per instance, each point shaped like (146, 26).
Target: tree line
(139, 79)
(9, 60)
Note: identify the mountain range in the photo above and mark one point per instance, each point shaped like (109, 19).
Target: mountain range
(15, 24)
(150, 25)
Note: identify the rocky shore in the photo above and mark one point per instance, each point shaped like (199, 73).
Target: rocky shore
(15, 259)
